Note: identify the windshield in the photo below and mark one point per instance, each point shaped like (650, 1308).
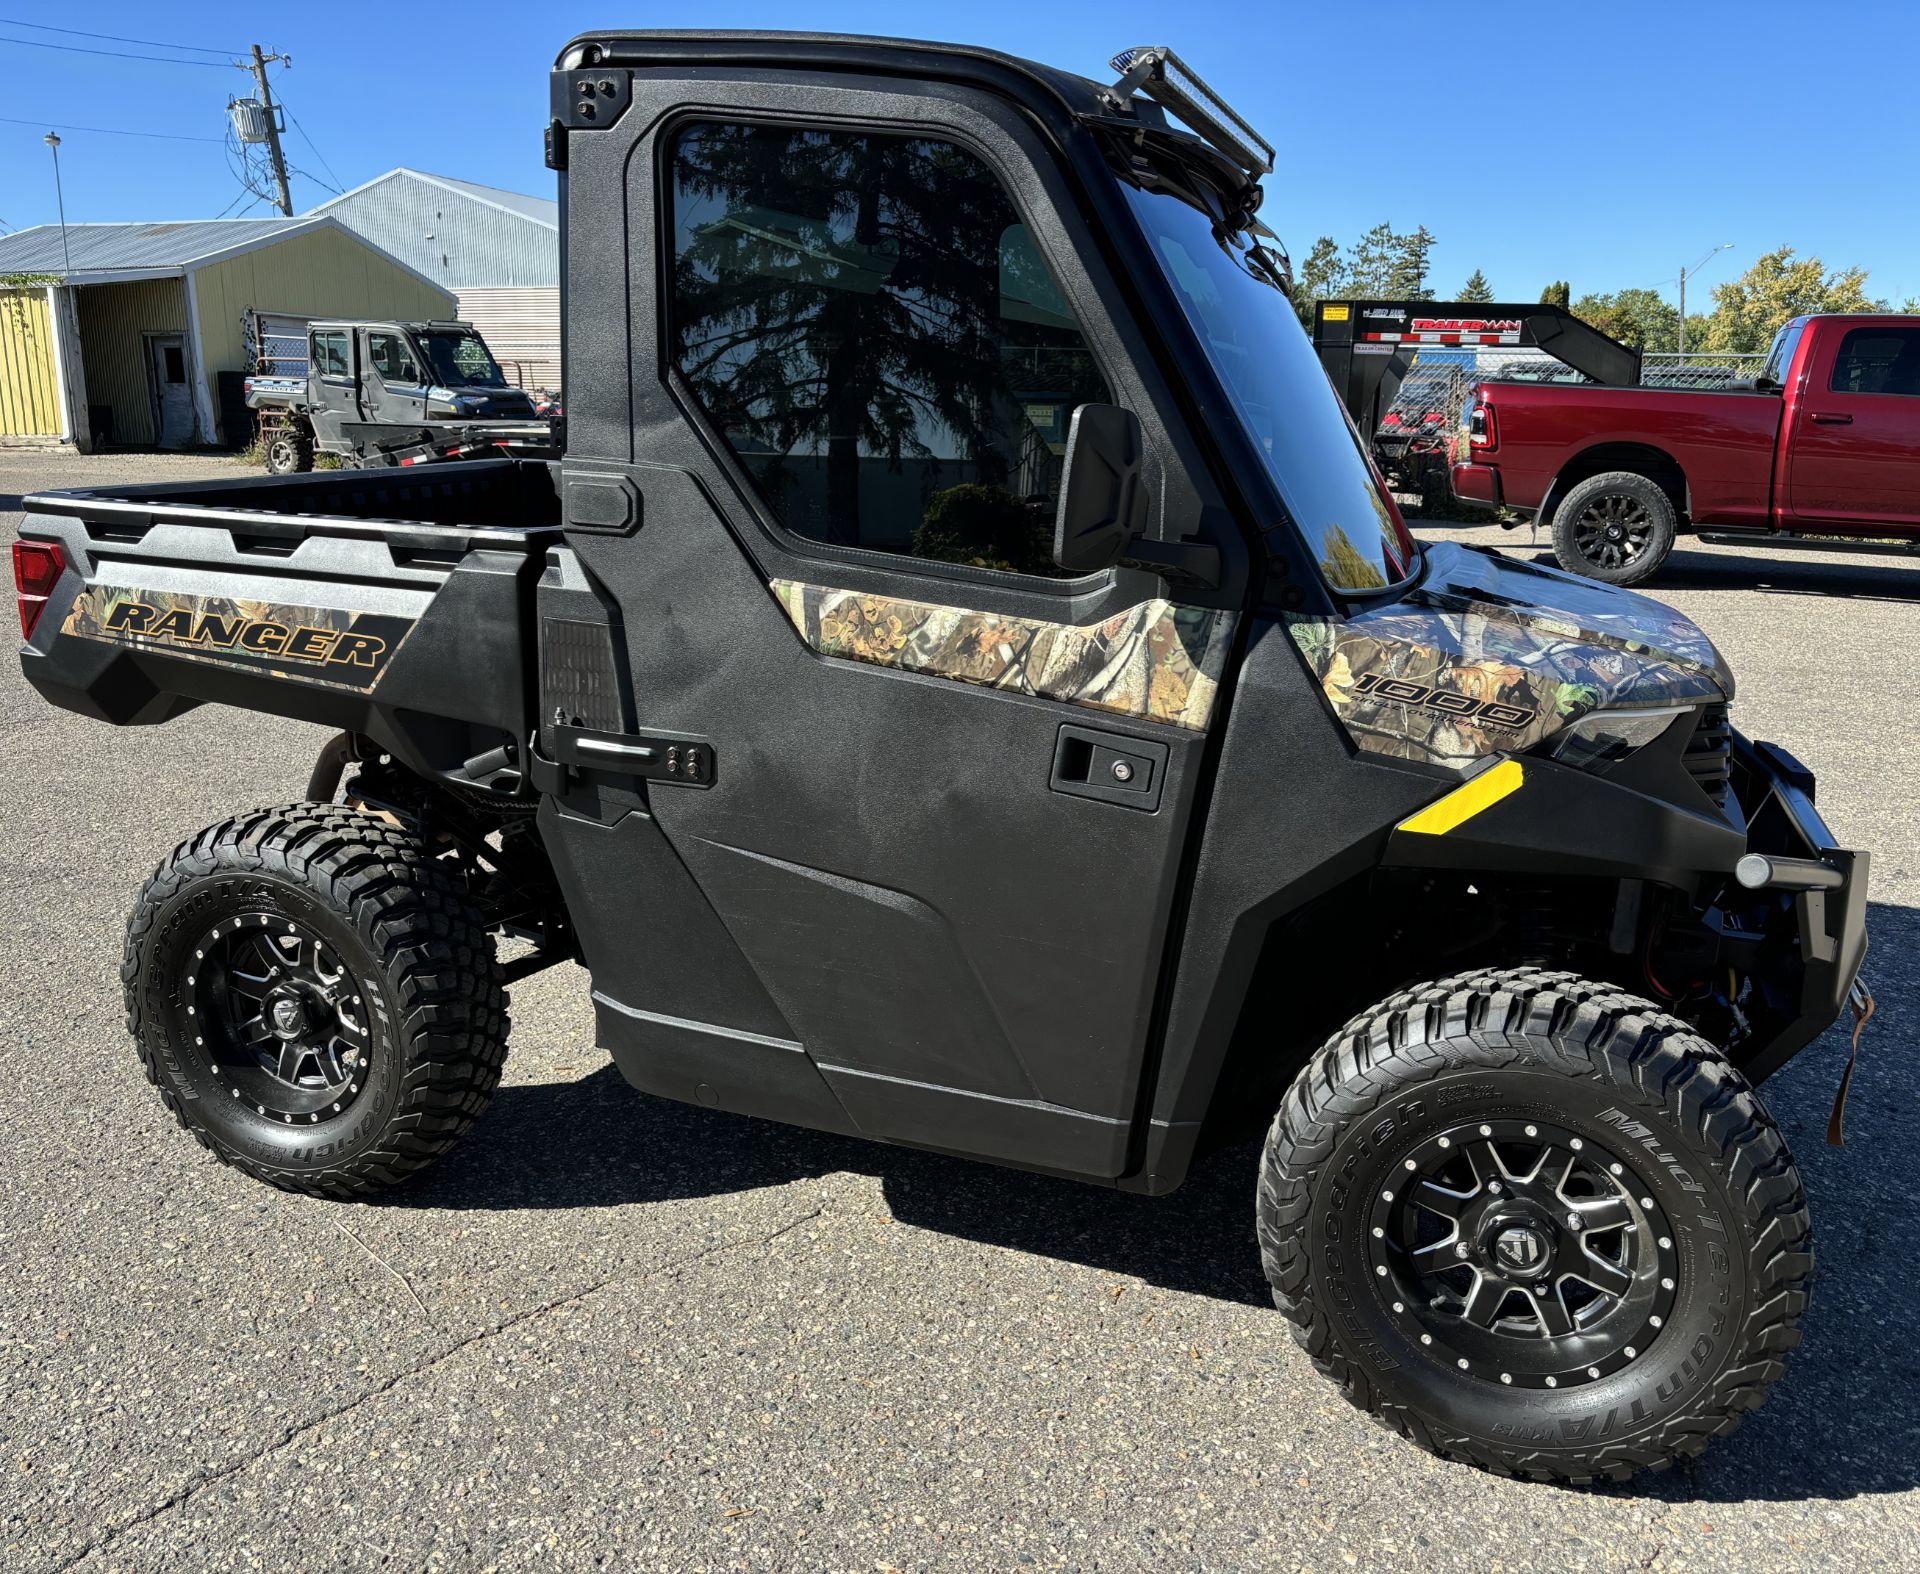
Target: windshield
(461, 360)
(1250, 334)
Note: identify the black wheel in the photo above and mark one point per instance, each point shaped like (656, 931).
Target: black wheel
(287, 451)
(315, 998)
(1617, 527)
(1536, 1224)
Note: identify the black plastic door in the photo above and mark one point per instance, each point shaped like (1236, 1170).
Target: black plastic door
(896, 861)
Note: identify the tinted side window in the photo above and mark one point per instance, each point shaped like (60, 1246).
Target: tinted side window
(391, 358)
(1878, 361)
(330, 355)
(873, 330)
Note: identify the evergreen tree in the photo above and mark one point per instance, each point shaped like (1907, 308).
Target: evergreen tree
(1372, 259)
(1476, 289)
(1407, 274)
(1558, 293)
(1322, 277)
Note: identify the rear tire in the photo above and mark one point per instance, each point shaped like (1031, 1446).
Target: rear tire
(287, 451)
(1664, 1178)
(315, 998)
(1617, 528)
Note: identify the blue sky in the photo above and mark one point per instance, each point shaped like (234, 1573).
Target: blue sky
(1608, 144)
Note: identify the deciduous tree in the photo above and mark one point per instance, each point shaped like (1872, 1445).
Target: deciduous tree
(1636, 317)
(1749, 310)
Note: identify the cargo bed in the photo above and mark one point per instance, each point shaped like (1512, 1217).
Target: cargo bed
(395, 604)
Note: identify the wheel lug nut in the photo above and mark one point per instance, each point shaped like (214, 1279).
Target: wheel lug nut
(1494, 1187)
(1460, 1249)
(1573, 1221)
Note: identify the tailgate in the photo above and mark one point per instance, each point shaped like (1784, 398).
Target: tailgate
(415, 635)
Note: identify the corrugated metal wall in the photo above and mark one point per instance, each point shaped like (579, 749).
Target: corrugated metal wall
(451, 238)
(522, 328)
(323, 273)
(29, 385)
(112, 319)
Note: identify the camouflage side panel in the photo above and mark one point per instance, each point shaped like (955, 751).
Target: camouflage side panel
(1156, 661)
(1488, 655)
(328, 646)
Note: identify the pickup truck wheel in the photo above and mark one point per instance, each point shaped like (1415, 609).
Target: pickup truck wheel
(315, 998)
(288, 452)
(1617, 528)
(1534, 1223)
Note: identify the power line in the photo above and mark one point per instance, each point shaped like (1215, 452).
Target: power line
(105, 131)
(115, 38)
(116, 54)
(312, 144)
(307, 174)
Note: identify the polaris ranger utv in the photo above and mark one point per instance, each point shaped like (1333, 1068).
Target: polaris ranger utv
(392, 393)
(965, 686)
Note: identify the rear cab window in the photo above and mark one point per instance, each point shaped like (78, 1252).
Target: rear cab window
(330, 357)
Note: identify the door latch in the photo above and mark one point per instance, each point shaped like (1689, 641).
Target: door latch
(1090, 763)
(680, 761)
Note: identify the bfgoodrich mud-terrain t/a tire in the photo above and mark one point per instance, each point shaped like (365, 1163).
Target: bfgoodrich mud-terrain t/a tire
(1536, 1224)
(315, 998)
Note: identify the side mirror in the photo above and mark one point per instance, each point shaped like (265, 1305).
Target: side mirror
(1102, 517)
(1103, 504)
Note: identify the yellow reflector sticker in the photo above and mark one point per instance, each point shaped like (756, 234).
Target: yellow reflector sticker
(1467, 800)
(1333, 314)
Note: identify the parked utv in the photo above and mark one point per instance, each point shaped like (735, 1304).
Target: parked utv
(870, 805)
(391, 393)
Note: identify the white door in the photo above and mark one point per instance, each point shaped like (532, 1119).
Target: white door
(172, 394)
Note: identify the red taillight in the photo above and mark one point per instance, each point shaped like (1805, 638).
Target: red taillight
(1482, 431)
(37, 566)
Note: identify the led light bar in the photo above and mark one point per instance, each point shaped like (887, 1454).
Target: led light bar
(1155, 70)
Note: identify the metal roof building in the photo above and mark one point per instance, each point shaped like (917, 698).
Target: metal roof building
(139, 333)
(498, 251)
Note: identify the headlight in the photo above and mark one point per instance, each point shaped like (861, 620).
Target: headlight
(1595, 742)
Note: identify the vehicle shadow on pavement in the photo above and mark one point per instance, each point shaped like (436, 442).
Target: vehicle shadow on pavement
(1784, 574)
(1845, 1423)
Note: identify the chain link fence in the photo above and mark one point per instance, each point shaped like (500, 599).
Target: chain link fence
(1433, 397)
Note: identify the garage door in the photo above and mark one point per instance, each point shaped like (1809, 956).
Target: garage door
(29, 386)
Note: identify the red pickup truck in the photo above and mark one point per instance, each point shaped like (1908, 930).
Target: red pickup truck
(1825, 442)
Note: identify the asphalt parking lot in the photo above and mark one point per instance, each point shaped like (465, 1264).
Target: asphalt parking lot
(614, 1332)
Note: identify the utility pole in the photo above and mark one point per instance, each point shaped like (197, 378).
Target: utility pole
(260, 64)
(52, 140)
(1683, 289)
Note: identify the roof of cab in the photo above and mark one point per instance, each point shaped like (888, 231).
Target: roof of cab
(919, 58)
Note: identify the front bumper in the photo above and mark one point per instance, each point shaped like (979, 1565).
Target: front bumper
(1818, 892)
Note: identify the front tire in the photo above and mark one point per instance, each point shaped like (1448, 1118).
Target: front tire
(315, 998)
(1535, 1224)
(1617, 528)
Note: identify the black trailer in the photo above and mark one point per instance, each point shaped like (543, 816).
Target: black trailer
(1372, 354)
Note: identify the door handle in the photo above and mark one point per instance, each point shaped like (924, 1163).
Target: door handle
(1110, 767)
(1828, 418)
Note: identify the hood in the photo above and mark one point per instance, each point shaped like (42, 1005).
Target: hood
(487, 399)
(1489, 655)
